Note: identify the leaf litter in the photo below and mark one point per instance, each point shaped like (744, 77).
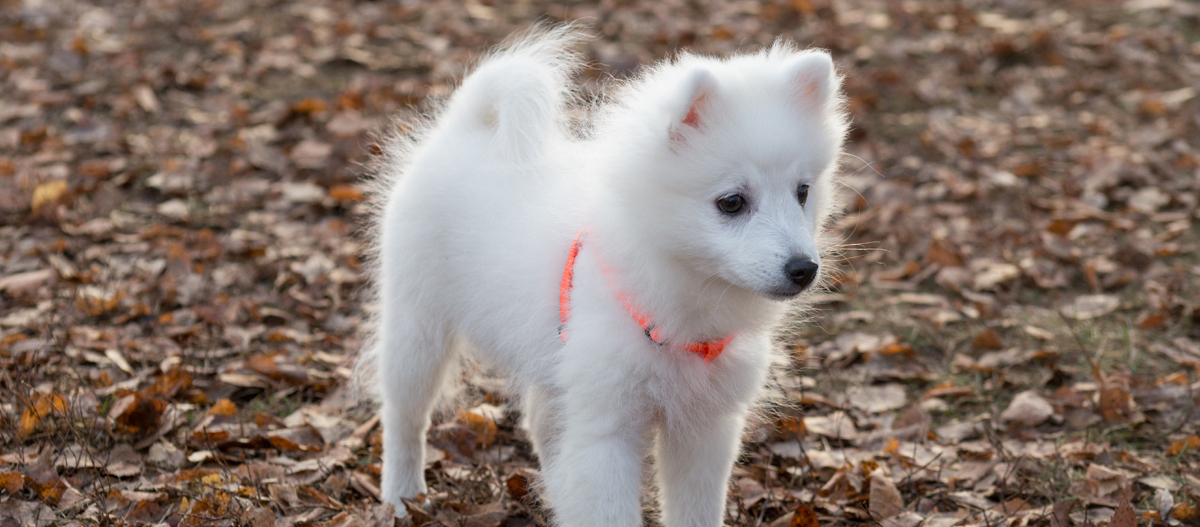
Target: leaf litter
(1013, 334)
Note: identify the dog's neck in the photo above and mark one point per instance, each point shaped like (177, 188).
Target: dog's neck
(688, 305)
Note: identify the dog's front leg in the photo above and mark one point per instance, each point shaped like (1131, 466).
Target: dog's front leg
(595, 477)
(694, 462)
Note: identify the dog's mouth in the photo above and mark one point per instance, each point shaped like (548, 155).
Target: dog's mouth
(782, 294)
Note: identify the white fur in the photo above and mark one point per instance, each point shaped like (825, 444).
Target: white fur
(478, 216)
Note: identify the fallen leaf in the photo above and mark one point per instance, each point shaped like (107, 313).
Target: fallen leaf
(804, 517)
(137, 413)
(1061, 516)
(1163, 503)
(1027, 408)
(223, 407)
(1186, 512)
(25, 282)
(1115, 404)
(484, 427)
(44, 480)
(41, 406)
(994, 274)
(345, 193)
(1177, 447)
(123, 462)
(48, 193)
(1124, 517)
(877, 399)
(12, 482)
(837, 425)
(1087, 307)
(987, 339)
(519, 483)
(305, 438)
(884, 500)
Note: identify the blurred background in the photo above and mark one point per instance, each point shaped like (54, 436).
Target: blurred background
(1013, 335)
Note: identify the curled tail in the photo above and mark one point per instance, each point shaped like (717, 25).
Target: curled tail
(518, 93)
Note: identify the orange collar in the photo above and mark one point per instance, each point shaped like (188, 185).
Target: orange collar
(706, 350)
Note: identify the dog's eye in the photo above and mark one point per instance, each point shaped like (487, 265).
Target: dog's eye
(731, 204)
(802, 194)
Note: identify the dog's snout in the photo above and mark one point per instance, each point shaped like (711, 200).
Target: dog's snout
(801, 271)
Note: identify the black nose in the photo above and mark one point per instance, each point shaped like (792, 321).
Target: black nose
(801, 271)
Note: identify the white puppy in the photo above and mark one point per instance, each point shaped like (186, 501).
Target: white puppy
(628, 281)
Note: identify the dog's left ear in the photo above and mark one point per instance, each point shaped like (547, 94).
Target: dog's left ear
(698, 89)
(812, 79)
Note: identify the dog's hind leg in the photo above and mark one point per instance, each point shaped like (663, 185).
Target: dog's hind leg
(414, 358)
(543, 420)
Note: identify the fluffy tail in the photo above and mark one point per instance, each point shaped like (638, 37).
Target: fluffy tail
(518, 93)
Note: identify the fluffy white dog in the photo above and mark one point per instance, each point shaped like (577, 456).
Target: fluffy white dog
(629, 281)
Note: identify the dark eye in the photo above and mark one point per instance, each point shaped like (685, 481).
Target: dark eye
(802, 194)
(731, 204)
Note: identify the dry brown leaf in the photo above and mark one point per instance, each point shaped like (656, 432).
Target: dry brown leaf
(484, 428)
(123, 462)
(1186, 512)
(1124, 517)
(12, 482)
(137, 413)
(40, 407)
(345, 193)
(223, 407)
(1028, 409)
(987, 339)
(48, 193)
(1115, 403)
(884, 500)
(804, 517)
(1061, 516)
(1177, 447)
(44, 480)
(303, 438)
(836, 425)
(520, 482)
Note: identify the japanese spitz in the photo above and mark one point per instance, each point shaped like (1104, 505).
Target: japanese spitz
(627, 276)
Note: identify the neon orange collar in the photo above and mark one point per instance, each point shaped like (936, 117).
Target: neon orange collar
(706, 350)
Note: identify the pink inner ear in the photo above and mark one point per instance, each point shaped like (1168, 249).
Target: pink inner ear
(693, 115)
(807, 90)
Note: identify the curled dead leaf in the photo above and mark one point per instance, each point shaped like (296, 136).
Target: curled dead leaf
(94, 301)
(484, 428)
(223, 407)
(47, 194)
(1115, 404)
(41, 406)
(303, 438)
(804, 516)
(137, 413)
(12, 482)
(1192, 443)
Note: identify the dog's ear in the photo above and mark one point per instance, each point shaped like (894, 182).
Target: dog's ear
(697, 91)
(812, 79)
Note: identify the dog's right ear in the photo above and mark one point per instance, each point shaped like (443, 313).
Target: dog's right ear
(812, 78)
(698, 88)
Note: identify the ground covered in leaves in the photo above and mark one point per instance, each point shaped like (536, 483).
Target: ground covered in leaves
(1014, 337)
